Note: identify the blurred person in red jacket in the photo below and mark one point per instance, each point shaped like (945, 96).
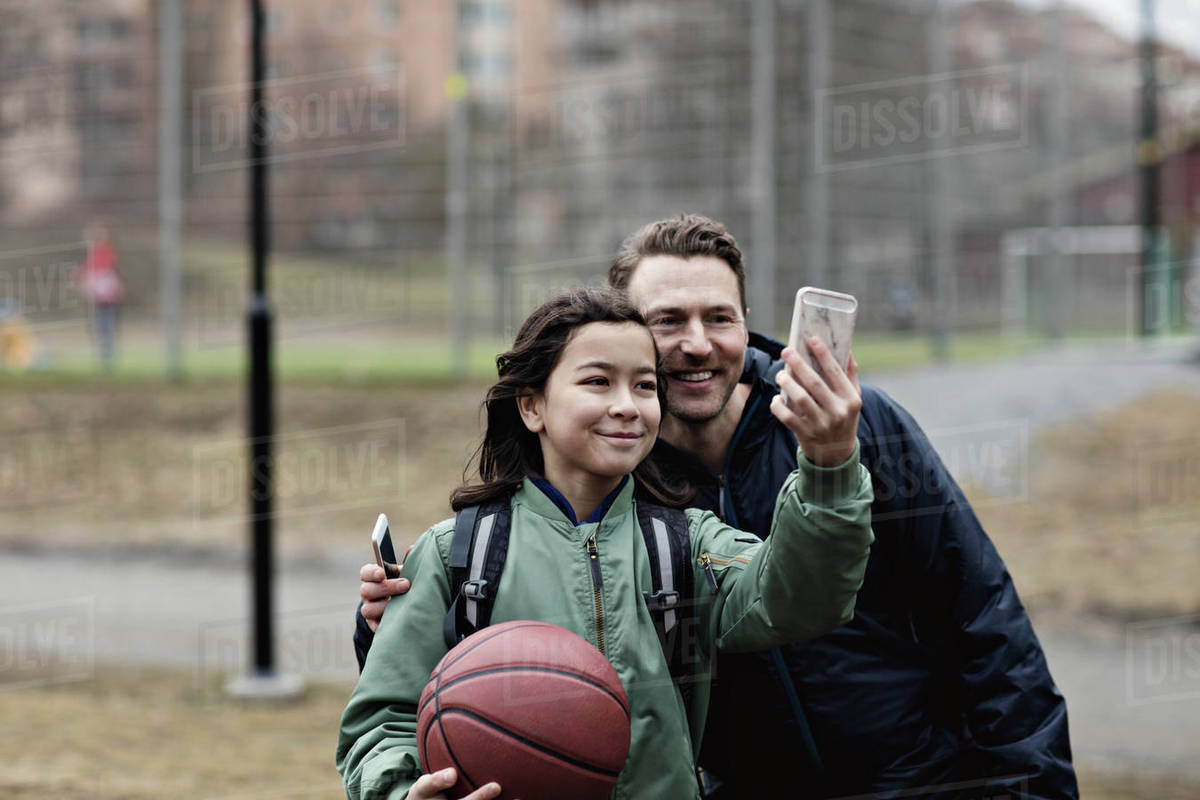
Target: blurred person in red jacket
(101, 283)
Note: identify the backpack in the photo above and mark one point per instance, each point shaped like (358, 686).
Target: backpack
(480, 547)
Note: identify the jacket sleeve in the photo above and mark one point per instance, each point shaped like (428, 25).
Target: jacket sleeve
(802, 581)
(377, 739)
(965, 607)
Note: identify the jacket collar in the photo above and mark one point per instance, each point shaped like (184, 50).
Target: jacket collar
(547, 503)
(762, 357)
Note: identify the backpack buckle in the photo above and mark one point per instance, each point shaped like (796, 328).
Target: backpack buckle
(662, 600)
(475, 590)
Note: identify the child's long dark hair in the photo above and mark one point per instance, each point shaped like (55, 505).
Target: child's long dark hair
(510, 451)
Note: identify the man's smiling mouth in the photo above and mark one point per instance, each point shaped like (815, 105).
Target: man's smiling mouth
(693, 377)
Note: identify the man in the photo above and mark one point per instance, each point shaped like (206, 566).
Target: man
(938, 687)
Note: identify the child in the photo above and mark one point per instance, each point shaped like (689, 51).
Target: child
(570, 421)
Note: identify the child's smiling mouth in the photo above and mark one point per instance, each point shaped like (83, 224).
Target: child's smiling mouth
(622, 436)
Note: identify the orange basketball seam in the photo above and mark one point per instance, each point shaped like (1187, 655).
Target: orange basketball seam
(624, 704)
(437, 717)
(607, 773)
(495, 630)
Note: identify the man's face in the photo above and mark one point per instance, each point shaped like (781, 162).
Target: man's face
(695, 314)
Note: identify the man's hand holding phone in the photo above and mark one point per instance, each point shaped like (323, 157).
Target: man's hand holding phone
(381, 580)
(819, 396)
(376, 588)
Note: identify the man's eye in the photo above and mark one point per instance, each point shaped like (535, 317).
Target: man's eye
(721, 319)
(665, 321)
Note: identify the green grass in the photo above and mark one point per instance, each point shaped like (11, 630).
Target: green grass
(406, 296)
(426, 359)
(881, 351)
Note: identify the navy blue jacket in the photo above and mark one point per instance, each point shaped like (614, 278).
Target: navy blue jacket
(939, 683)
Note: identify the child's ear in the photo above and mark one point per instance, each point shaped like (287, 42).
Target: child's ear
(529, 403)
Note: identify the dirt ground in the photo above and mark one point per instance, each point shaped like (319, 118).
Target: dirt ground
(120, 466)
(139, 734)
(135, 733)
(1108, 526)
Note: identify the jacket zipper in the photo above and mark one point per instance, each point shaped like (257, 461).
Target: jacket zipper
(597, 589)
(725, 561)
(706, 562)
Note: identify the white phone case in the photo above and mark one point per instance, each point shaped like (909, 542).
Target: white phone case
(827, 315)
(378, 537)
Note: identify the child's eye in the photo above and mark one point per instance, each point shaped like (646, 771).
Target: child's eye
(595, 381)
(648, 386)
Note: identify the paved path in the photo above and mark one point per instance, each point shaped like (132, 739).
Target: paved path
(982, 418)
(162, 611)
(1133, 693)
(1040, 389)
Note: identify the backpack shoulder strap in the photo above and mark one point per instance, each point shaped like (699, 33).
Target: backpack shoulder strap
(477, 555)
(669, 547)
(668, 544)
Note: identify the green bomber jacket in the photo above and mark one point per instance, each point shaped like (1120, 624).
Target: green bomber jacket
(798, 584)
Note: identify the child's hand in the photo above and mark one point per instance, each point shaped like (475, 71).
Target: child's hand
(822, 413)
(375, 589)
(430, 787)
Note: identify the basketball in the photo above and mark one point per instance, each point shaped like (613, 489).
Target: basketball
(528, 705)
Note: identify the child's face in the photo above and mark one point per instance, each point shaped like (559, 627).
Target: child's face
(598, 416)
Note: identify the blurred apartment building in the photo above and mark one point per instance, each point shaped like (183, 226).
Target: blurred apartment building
(76, 109)
(79, 98)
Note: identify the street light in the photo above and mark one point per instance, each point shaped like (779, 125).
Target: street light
(262, 680)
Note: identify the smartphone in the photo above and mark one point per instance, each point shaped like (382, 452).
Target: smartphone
(827, 315)
(381, 543)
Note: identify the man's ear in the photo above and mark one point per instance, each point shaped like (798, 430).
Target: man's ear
(529, 403)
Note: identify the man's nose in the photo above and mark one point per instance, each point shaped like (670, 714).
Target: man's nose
(695, 340)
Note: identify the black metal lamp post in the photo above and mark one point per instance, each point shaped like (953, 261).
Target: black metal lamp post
(262, 679)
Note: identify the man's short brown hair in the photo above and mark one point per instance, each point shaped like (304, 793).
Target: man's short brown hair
(684, 236)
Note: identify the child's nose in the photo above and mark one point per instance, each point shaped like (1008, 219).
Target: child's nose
(623, 405)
